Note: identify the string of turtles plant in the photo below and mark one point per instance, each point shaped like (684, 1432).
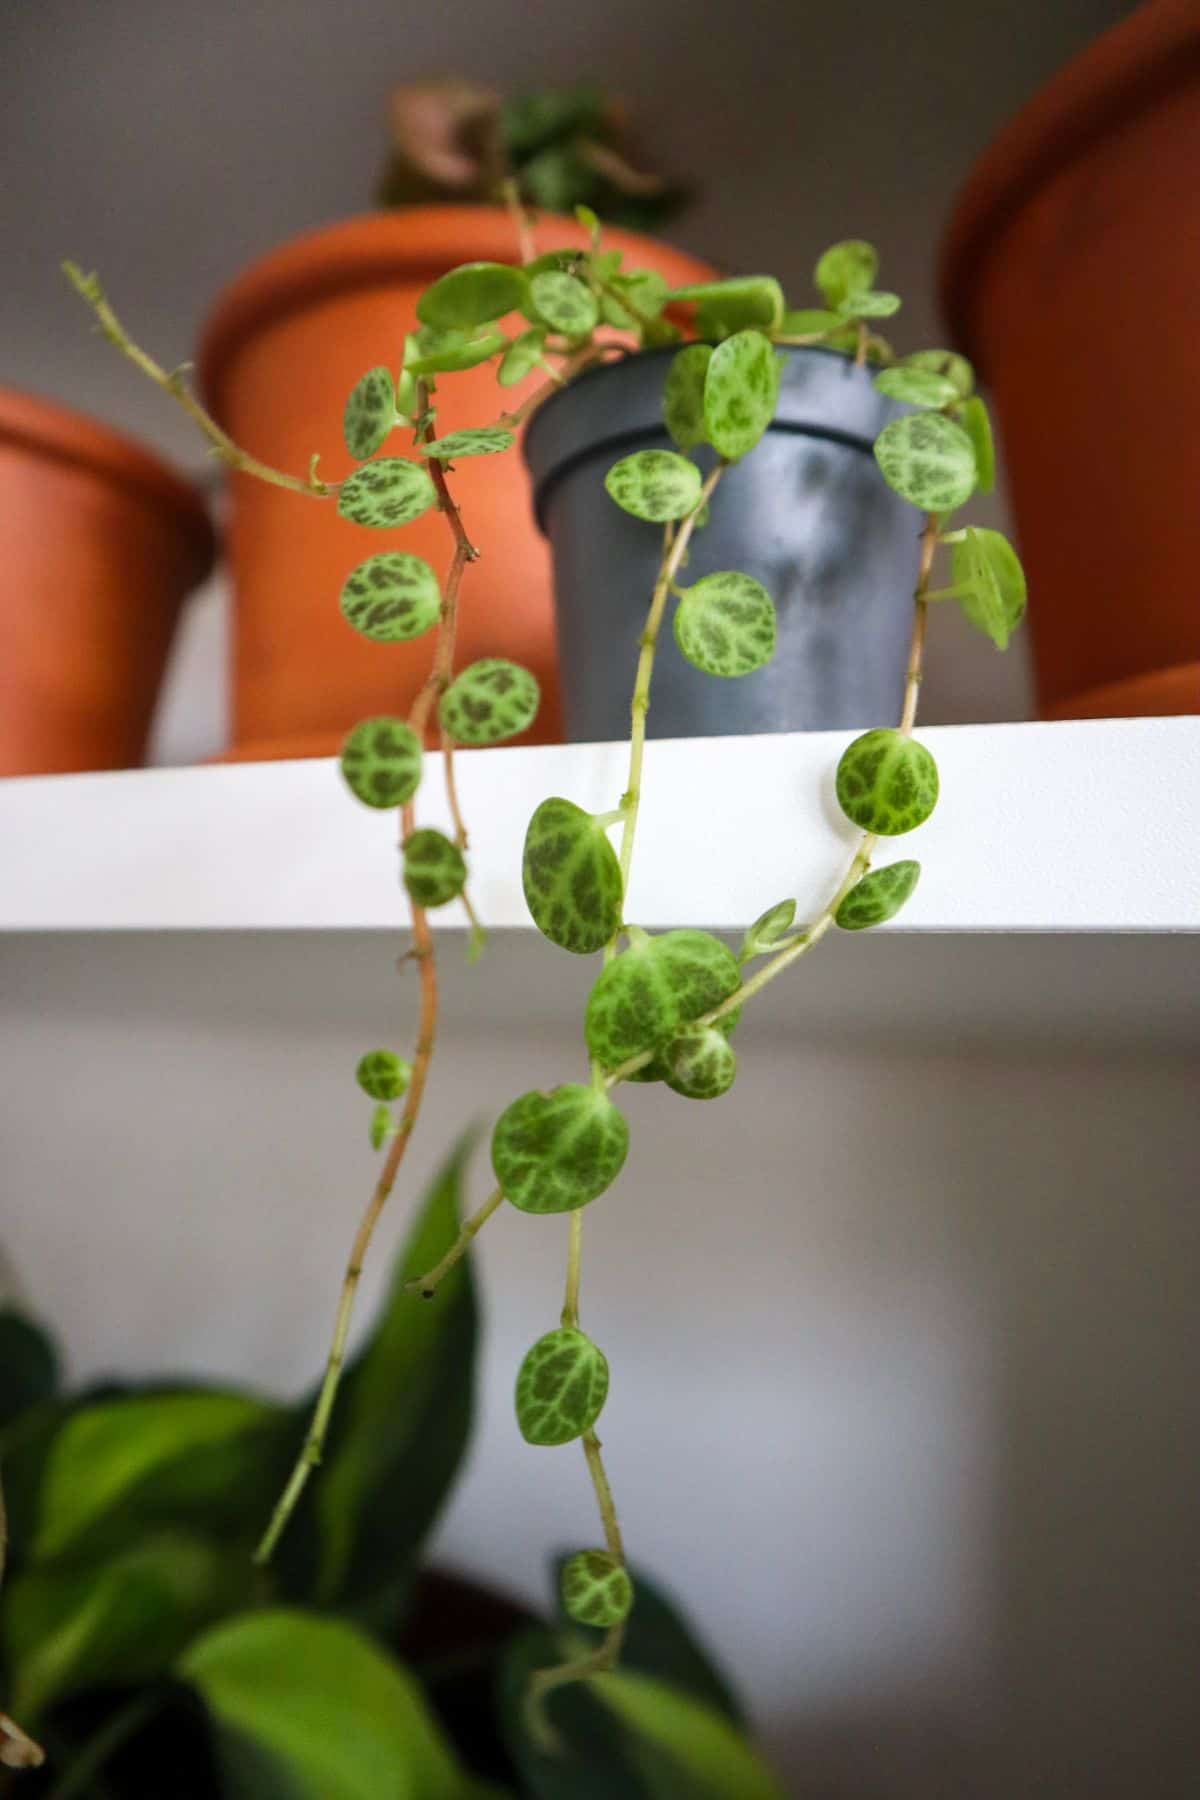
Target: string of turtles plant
(664, 1006)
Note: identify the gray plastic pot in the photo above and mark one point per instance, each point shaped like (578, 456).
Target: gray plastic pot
(806, 512)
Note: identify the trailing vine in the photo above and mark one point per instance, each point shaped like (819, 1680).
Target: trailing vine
(663, 1007)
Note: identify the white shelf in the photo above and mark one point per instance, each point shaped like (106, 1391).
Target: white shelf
(1088, 826)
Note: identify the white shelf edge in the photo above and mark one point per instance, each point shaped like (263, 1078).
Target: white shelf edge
(1080, 826)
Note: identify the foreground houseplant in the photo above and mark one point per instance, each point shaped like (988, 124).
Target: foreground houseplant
(663, 1008)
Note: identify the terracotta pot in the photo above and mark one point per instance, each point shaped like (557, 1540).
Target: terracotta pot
(1070, 274)
(280, 352)
(99, 544)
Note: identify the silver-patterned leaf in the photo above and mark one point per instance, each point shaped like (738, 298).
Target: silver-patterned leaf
(657, 485)
(562, 1385)
(928, 460)
(387, 493)
(490, 701)
(725, 624)
(391, 597)
(370, 413)
(683, 395)
(887, 783)
(741, 388)
(555, 1152)
(381, 762)
(572, 877)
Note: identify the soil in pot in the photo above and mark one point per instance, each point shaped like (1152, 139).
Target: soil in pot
(99, 544)
(807, 513)
(282, 349)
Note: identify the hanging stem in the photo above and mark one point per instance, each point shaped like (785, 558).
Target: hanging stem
(427, 1285)
(511, 194)
(570, 1311)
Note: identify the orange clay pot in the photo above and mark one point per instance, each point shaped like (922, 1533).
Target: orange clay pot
(99, 544)
(282, 349)
(1070, 275)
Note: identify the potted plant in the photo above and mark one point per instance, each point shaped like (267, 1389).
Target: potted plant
(100, 542)
(662, 1008)
(288, 337)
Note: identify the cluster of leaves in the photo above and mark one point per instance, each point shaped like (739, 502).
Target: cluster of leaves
(149, 1655)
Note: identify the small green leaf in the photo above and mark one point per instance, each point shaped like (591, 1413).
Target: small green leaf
(324, 1711)
(919, 387)
(386, 493)
(391, 597)
(767, 929)
(683, 395)
(478, 440)
(473, 294)
(556, 1151)
(846, 268)
(986, 567)
(740, 392)
(564, 303)
(431, 352)
(491, 700)
(572, 877)
(383, 1075)
(657, 485)
(370, 413)
(746, 302)
(928, 460)
(633, 300)
(562, 1385)
(435, 871)
(522, 356)
(381, 1121)
(685, 1747)
(807, 321)
(725, 624)
(700, 1065)
(590, 223)
(870, 304)
(28, 1368)
(878, 897)
(647, 994)
(978, 427)
(596, 1589)
(381, 762)
(949, 363)
(887, 783)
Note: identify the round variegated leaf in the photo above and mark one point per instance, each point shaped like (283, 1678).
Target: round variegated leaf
(700, 1065)
(473, 294)
(987, 569)
(522, 356)
(477, 440)
(370, 413)
(554, 1152)
(978, 427)
(683, 395)
(490, 701)
(919, 387)
(647, 994)
(595, 1589)
(949, 363)
(740, 391)
(725, 624)
(391, 597)
(633, 300)
(564, 303)
(430, 351)
(847, 268)
(572, 877)
(657, 485)
(745, 302)
(562, 1385)
(383, 1075)
(381, 762)
(383, 494)
(434, 869)
(928, 460)
(887, 783)
(872, 303)
(767, 929)
(878, 897)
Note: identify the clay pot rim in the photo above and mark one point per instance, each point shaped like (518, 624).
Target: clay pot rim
(371, 249)
(1126, 69)
(49, 429)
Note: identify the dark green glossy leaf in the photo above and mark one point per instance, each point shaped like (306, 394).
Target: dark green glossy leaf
(562, 1385)
(846, 268)
(564, 303)
(490, 701)
(370, 413)
(572, 877)
(725, 624)
(684, 1748)
(647, 994)
(556, 1151)
(473, 294)
(929, 461)
(656, 485)
(987, 569)
(700, 1065)
(382, 1075)
(435, 871)
(978, 427)
(381, 762)
(478, 440)
(919, 387)
(878, 897)
(391, 597)
(386, 493)
(887, 783)
(28, 1365)
(683, 395)
(740, 392)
